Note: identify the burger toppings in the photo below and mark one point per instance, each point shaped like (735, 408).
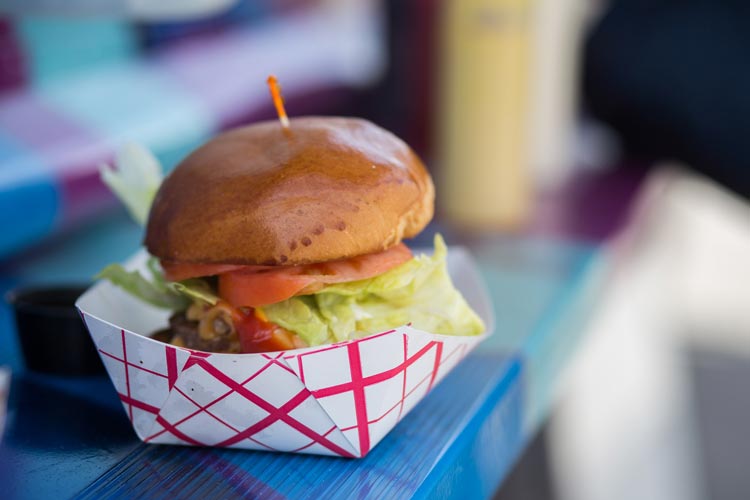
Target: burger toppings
(257, 334)
(256, 286)
(216, 321)
(222, 328)
(418, 291)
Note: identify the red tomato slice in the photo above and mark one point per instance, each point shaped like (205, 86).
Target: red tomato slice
(254, 288)
(178, 271)
(260, 289)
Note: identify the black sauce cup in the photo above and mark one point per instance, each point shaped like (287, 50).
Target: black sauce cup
(51, 332)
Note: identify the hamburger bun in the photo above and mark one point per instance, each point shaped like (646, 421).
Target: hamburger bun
(323, 189)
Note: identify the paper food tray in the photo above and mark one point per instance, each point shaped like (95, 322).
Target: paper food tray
(339, 399)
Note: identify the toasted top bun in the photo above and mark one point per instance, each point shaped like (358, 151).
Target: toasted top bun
(324, 189)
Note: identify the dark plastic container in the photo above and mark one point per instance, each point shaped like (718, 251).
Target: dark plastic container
(51, 332)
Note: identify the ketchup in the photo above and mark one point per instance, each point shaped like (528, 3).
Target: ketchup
(257, 335)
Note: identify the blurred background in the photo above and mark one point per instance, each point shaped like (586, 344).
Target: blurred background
(621, 125)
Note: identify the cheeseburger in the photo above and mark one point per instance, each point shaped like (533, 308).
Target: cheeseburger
(270, 238)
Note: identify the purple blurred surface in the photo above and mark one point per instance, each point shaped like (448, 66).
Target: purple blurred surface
(592, 206)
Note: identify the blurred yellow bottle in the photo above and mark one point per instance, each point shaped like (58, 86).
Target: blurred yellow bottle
(483, 111)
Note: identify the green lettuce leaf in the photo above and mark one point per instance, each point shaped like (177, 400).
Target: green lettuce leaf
(136, 179)
(419, 292)
(195, 289)
(157, 290)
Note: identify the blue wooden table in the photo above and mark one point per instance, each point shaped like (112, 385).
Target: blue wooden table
(69, 437)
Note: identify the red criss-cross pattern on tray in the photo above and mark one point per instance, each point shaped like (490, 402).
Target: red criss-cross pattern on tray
(340, 399)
